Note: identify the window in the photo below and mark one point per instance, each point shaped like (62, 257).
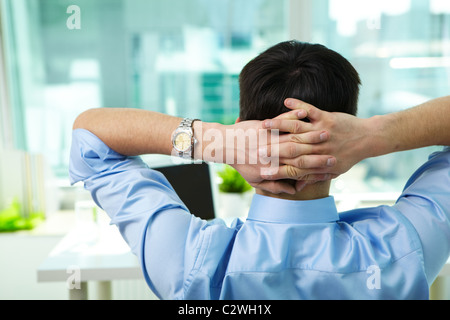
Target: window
(183, 57)
(401, 50)
(5, 110)
(174, 56)
(3, 101)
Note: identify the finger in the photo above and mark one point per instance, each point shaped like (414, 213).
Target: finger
(286, 150)
(276, 187)
(311, 137)
(290, 126)
(293, 146)
(318, 162)
(294, 173)
(295, 104)
(293, 115)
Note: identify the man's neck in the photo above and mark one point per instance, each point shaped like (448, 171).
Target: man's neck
(315, 191)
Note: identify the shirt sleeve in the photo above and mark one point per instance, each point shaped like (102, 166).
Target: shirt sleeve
(170, 243)
(425, 202)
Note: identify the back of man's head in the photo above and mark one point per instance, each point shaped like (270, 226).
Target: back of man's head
(308, 72)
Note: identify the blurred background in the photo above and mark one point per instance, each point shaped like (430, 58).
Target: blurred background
(183, 57)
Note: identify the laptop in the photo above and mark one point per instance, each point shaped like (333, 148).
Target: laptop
(193, 184)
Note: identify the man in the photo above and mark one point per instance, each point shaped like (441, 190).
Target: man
(294, 244)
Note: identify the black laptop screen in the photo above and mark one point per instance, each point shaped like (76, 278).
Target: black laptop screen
(192, 182)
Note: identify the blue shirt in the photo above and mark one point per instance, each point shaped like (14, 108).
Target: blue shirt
(285, 249)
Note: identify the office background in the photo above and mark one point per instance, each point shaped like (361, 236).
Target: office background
(183, 57)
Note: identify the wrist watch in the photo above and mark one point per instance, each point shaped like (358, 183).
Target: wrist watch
(183, 139)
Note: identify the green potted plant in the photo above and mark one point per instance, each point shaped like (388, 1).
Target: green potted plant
(12, 219)
(234, 191)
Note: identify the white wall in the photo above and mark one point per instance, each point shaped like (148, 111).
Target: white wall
(20, 256)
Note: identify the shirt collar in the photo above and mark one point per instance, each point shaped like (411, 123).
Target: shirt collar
(268, 209)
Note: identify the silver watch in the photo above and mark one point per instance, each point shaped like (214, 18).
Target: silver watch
(183, 139)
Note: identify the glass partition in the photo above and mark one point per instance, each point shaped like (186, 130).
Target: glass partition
(183, 57)
(174, 56)
(402, 52)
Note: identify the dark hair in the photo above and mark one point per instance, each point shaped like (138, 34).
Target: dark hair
(292, 69)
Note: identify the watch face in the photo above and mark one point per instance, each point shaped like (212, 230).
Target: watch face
(182, 142)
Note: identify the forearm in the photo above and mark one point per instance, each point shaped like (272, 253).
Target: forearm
(133, 132)
(422, 126)
(130, 131)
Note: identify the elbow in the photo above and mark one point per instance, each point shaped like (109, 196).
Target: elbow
(78, 123)
(83, 120)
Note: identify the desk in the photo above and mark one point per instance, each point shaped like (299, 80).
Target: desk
(90, 253)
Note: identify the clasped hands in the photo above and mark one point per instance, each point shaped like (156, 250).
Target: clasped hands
(305, 152)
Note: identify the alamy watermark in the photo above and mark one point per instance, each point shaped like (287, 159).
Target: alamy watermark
(74, 279)
(373, 281)
(74, 20)
(374, 22)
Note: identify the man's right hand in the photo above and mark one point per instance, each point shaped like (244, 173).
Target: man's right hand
(346, 144)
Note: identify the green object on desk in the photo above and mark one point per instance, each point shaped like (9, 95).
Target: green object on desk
(11, 219)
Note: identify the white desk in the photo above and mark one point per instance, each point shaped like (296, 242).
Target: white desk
(90, 253)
